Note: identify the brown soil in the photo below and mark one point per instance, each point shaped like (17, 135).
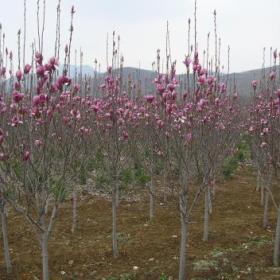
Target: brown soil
(238, 248)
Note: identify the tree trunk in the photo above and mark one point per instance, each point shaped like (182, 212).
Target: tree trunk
(117, 195)
(45, 255)
(5, 241)
(165, 184)
(183, 200)
(74, 221)
(206, 215)
(114, 222)
(183, 239)
(265, 212)
(276, 253)
(262, 193)
(258, 181)
(47, 206)
(151, 199)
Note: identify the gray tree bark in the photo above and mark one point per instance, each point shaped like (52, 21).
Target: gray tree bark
(114, 222)
(206, 216)
(5, 241)
(74, 218)
(276, 253)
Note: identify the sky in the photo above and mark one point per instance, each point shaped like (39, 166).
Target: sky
(247, 26)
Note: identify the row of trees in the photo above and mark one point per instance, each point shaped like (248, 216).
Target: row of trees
(263, 127)
(50, 134)
(54, 131)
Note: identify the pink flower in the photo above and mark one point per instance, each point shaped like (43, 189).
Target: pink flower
(149, 98)
(15, 121)
(251, 129)
(19, 75)
(17, 96)
(3, 157)
(171, 87)
(160, 89)
(263, 145)
(272, 75)
(38, 143)
(254, 84)
(187, 61)
(36, 100)
(53, 63)
(27, 69)
(76, 88)
(62, 80)
(265, 130)
(222, 126)
(76, 114)
(210, 80)
(17, 86)
(189, 137)
(2, 71)
(38, 58)
(26, 156)
(278, 93)
(160, 124)
(1, 136)
(40, 71)
(201, 80)
(125, 135)
(222, 88)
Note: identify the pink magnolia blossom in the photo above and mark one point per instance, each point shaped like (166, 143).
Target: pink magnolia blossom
(19, 75)
(187, 61)
(38, 143)
(17, 96)
(40, 71)
(254, 84)
(27, 69)
(189, 137)
(272, 75)
(3, 157)
(26, 156)
(149, 98)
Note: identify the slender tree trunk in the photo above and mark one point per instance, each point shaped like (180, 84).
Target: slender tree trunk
(5, 241)
(183, 239)
(165, 184)
(183, 202)
(151, 199)
(206, 215)
(266, 206)
(258, 181)
(210, 201)
(74, 221)
(45, 255)
(117, 195)
(262, 193)
(276, 253)
(114, 221)
(47, 206)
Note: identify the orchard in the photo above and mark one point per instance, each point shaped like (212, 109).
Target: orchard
(70, 142)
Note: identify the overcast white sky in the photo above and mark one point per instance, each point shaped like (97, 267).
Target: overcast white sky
(246, 25)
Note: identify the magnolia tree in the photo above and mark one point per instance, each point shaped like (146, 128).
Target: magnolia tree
(217, 136)
(203, 131)
(112, 113)
(51, 132)
(42, 134)
(263, 128)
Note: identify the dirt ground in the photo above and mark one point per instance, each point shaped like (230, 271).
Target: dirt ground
(238, 247)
